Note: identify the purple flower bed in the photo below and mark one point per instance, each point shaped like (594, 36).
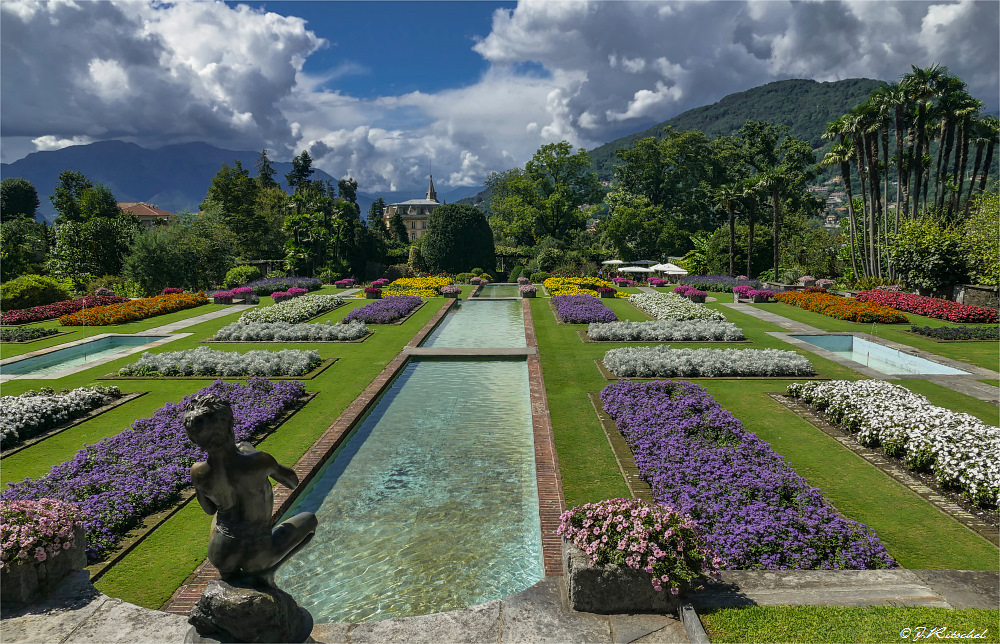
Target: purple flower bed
(753, 509)
(122, 479)
(582, 309)
(268, 285)
(715, 283)
(388, 309)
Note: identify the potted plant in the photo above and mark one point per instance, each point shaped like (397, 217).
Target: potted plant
(373, 293)
(528, 290)
(451, 290)
(242, 295)
(758, 295)
(47, 543)
(223, 297)
(627, 556)
(606, 291)
(696, 296)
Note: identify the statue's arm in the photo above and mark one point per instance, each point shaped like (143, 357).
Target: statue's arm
(199, 477)
(284, 475)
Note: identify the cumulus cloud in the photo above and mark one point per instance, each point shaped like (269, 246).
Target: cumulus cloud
(582, 71)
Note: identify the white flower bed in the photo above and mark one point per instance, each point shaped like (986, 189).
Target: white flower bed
(961, 450)
(25, 416)
(664, 330)
(663, 362)
(287, 332)
(667, 306)
(203, 361)
(296, 310)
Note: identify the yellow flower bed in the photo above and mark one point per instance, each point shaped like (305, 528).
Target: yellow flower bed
(576, 285)
(422, 286)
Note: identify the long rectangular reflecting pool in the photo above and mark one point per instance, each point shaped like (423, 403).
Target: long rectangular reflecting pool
(876, 356)
(480, 323)
(84, 353)
(431, 504)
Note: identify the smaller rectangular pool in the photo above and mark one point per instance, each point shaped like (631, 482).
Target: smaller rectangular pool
(81, 354)
(877, 356)
(499, 290)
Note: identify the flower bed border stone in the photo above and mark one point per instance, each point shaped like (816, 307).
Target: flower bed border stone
(922, 484)
(52, 431)
(323, 365)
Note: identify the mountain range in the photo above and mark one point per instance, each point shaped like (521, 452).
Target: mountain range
(177, 177)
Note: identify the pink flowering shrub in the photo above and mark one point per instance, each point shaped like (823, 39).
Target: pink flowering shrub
(523, 280)
(743, 290)
(634, 533)
(379, 283)
(451, 289)
(931, 307)
(371, 290)
(295, 291)
(170, 290)
(280, 296)
(36, 530)
(241, 292)
(693, 292)
(824, 283)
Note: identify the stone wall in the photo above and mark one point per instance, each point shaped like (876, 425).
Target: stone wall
(977, 296)
(24, 583)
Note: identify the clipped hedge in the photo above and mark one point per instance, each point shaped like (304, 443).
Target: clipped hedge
(27, 291)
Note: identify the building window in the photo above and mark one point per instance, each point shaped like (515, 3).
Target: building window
(423, 224)
(413, 224)
(413, 236)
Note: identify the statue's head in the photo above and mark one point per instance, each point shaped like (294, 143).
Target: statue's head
(208, 422)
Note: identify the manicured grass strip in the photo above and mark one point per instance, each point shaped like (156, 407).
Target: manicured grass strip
(150, 574)
(950, 399)
(849, 624)
(982, 354)
(586, 463)
(910, 528)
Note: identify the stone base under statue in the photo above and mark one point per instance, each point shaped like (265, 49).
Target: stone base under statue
(228, 613)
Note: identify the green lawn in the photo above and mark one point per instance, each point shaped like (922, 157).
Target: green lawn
(849, 624)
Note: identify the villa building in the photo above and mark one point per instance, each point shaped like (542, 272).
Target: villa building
(148, 215)
(415, 212)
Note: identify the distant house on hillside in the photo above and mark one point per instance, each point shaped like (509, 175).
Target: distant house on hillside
(148, 215)
(415, 212)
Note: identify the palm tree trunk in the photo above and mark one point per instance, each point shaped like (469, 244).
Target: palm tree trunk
(845, 172)
(986, 164)
(918, 166)
(776, 203)
(732, 242)
(944, 151)
(859, 148)
(750, 247)
(961, 163)
(972, 179)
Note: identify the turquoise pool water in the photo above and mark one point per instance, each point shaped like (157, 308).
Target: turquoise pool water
(500, 290)
(432, 504)
(94, 351)
(485, 323)
(876, 356)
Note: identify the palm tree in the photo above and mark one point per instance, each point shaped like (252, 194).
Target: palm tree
(840, 155)
(921, 84)
(984, 132)
(728, 196)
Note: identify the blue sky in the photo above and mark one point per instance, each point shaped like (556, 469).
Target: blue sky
(380, 91)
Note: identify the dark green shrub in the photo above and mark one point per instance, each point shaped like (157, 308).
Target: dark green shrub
(477, 271)
(240, 275)
(395, 272)
(463, 278)
(515, 273)
(538, 278)
(34, 290)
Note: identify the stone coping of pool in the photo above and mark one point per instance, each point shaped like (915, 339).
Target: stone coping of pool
(610, 376)
(587, 339)
(323, 366)
(44, 337)
(359, 340)
(972, 371)
(52, 431)
(923, 485)
(470, 352)
(72, 370)
(150, 523)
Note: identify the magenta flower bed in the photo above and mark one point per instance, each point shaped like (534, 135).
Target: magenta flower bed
(683, 290)
(295, 291)
(753, 509)
(280, 296)
(58, 309)
(931, 307)
(170, 290)
(379, 283)
(582, 309)
(122, 479)
(344, 283)
(388, 309)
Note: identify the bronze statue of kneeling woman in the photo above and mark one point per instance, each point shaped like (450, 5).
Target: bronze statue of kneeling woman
(234, 485)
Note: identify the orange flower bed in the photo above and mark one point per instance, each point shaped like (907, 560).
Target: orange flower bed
(134, 310)
(842, 308)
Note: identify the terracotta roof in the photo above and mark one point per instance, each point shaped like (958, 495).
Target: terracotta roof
(142, 209)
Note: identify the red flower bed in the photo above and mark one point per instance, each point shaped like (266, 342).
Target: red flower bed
(57, 309)
(931, 307)
(134, 310)
(842, 308)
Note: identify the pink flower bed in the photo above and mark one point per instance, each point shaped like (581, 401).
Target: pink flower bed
(931, 307)
(58, 309)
